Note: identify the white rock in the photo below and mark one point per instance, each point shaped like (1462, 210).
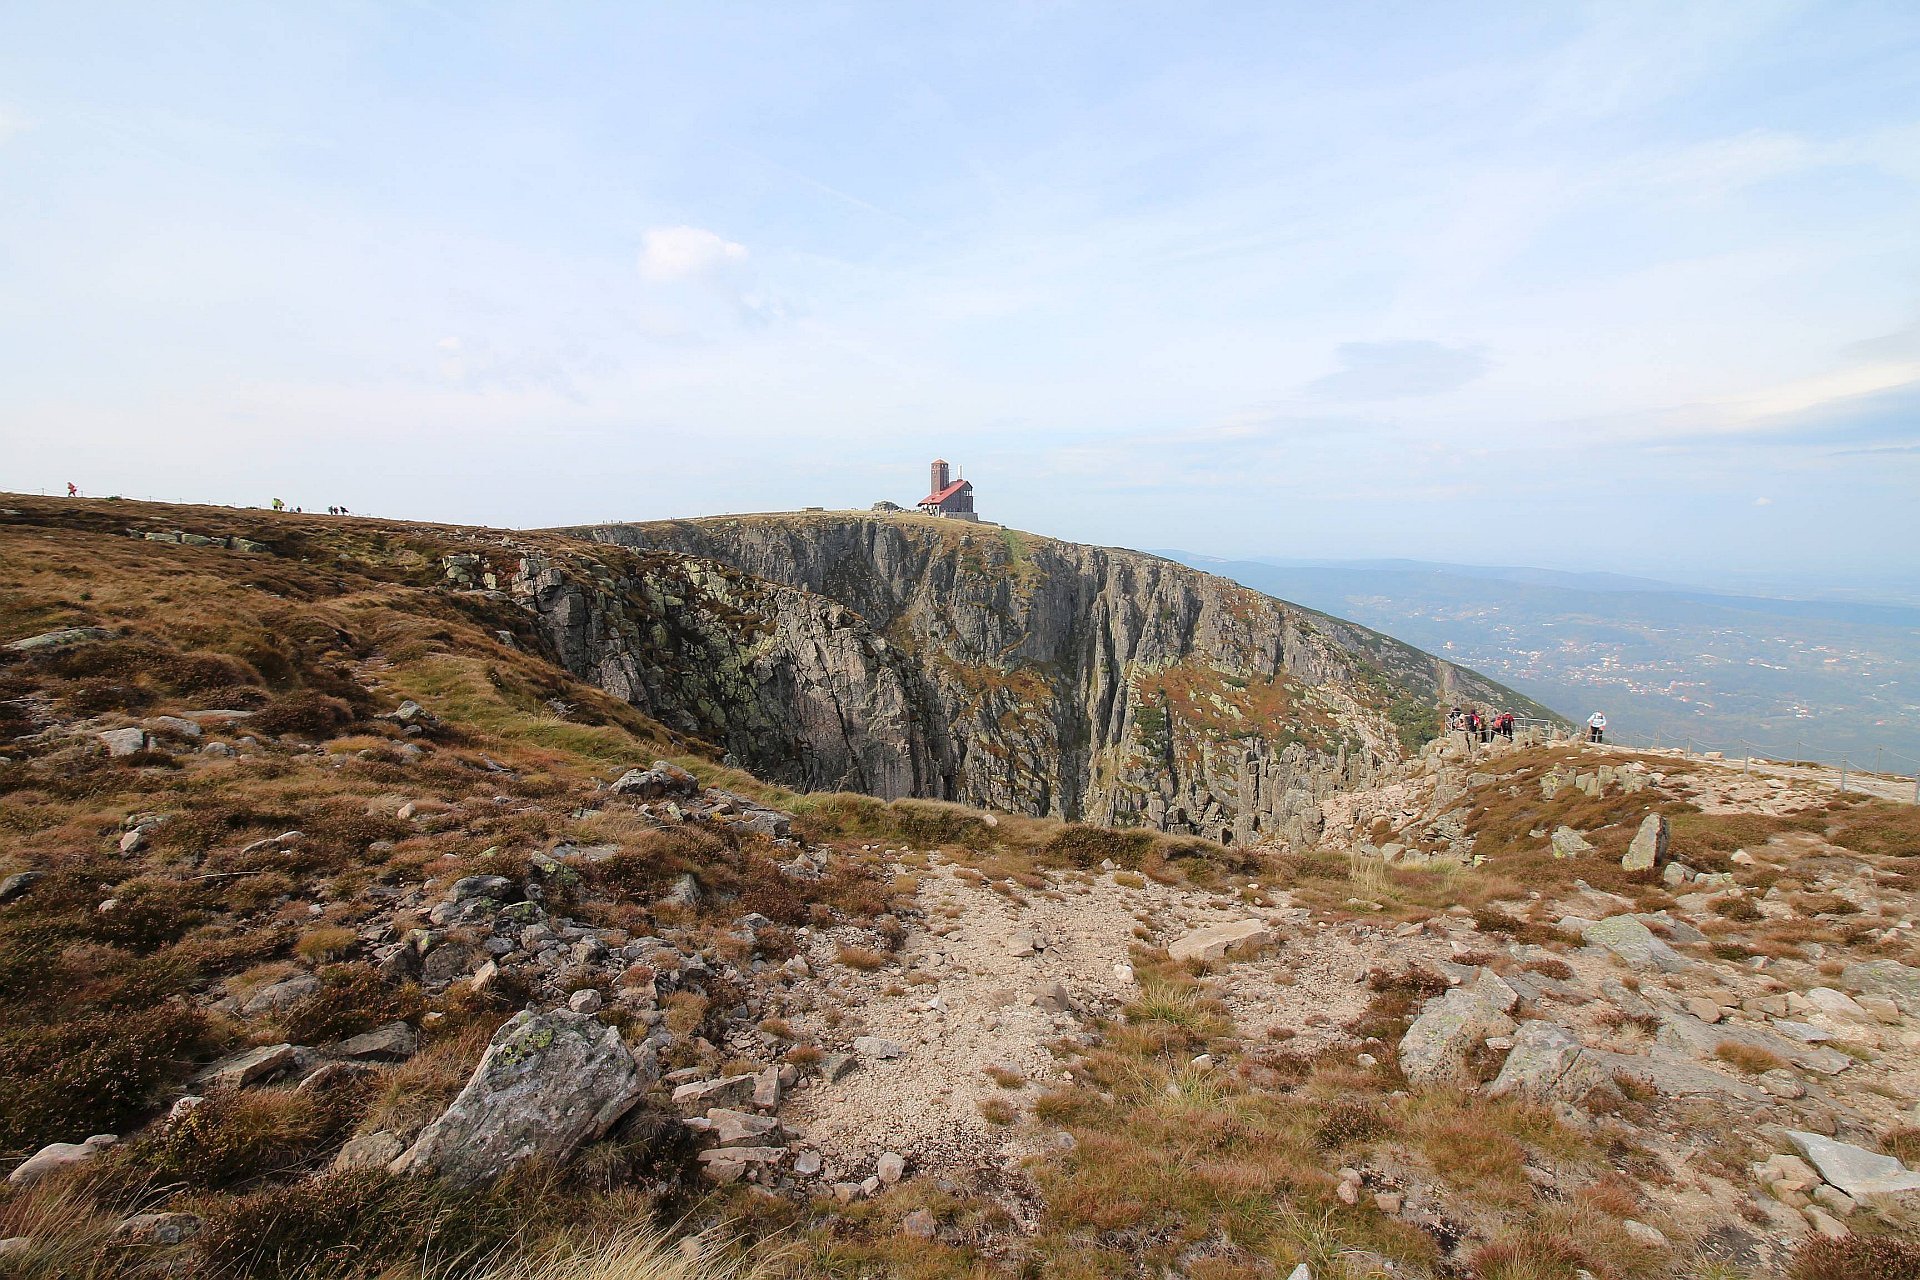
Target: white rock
(1214, 941)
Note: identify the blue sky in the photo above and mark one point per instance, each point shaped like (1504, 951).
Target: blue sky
(1617, 286)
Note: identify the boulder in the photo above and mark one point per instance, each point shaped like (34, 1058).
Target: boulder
(248, 1067)
(1855, 1170)
(499, 888)
(60, 639)
(1838, 1004)
(1214, 941)
(158, 1228)
(877, 1047)
(280, 995)
(739, 1128)
(16, 885)
(547, 1083)
(1650, 843)
(1688, 1034)
(696, 1096)
(890, 1168)
(123, 742)
(1435, 1048)
(394, 1042)
(1541, 1054)
(1568, 843)
(369, 1151)
(1897, 982)
(56, 1156)
(1634, 943)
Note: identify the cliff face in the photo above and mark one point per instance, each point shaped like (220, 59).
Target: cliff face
(903, 655)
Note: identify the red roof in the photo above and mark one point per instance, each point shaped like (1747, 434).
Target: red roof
(935, 499)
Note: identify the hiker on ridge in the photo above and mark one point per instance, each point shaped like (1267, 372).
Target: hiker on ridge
(1597, 727)
(73, 490)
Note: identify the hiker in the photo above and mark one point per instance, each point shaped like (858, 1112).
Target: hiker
(279, 505)
(1596, 727)
(73, 490)
(1506, 725)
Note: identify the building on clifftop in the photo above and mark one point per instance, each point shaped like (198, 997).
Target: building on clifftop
(950, 498)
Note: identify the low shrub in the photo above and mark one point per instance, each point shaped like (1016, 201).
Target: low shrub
(304, 714)
(1346, 1123)
(1855, 1258)
(236, 1137)
(93, 1074)
(352, 998)
(1085, 847)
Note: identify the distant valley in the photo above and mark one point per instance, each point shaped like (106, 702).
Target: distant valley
(1808, 678)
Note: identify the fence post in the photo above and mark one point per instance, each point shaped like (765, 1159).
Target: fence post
(1843, 775)
(1746, 759)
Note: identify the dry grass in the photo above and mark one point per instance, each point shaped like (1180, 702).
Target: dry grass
(1748, 1058)
(863, 959)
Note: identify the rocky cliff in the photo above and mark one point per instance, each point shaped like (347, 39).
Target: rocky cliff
(904, 655)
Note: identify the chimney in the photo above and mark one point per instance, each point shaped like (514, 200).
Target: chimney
(940, 480)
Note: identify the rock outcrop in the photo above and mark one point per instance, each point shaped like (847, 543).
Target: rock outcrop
(903, 656)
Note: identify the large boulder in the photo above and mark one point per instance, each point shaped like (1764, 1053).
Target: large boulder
(56, 1156)
(548, 1083)
(1634, 943)
(1214, 941)
(1855, 1170)
(1684, 1032)
(1435, 1048)
(1541, 1054)
(1649, 845)
(1897, 982)
(1568, 843)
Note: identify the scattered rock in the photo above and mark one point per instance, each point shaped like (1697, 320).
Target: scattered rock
(696, 1096)
(919, 1224)
(877, 1047)
(1642, 1234)
(586, 1000)
(890, 1167)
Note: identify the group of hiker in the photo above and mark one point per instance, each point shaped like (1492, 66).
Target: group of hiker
(280, 505)
(1484, 725)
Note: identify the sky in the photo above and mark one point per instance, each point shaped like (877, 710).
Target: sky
(1624, 286)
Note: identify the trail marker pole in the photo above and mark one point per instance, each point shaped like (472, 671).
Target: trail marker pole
(1843, 775)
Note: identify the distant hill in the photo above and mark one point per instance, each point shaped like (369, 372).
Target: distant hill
(1801, 677)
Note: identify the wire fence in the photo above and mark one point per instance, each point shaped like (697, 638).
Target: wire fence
(1894, 770)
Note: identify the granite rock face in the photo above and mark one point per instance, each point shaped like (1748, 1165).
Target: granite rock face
(903, 656)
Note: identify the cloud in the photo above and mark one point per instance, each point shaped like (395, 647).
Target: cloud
(11, 123)
(1395, 370)
(678, 253)
(1763, 502)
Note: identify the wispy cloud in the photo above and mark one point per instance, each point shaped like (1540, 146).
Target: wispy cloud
(1396, 370)
(678, 253)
